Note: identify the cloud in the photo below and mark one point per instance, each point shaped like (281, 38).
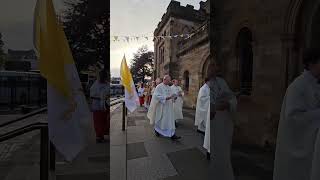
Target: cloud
(16, 22)
(18, 35)
(115, 72)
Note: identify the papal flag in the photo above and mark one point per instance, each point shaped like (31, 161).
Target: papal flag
(130, 93)
(69, 117)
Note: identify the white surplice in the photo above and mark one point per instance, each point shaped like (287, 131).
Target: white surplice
(160, 112)
(202, 107)
(298, 146)
(206, 143)
(178, 103)
(222, 129)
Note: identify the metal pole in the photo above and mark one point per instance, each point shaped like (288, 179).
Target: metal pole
(126, 111)
(44, 154)
(52, 157)
(123, 116)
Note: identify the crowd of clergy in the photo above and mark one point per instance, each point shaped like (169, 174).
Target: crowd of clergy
(298, 140)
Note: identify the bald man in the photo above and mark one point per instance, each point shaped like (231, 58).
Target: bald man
(161, 112)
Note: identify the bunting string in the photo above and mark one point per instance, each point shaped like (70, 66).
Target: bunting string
(128, 38)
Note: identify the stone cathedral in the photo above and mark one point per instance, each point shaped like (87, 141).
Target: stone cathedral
(183, 58)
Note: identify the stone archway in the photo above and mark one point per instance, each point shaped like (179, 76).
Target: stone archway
(301, 31)
(204, 70)
(314, 33)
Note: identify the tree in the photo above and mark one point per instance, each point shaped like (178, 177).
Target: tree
(85, 24)
(2, 54)
(142, 64)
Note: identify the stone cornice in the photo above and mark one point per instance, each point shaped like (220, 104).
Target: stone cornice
(182, 12)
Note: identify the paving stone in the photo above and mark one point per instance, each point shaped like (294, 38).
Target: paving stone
(136, 150)
(84, 176)
(197, 168)
(131, 123)
(150, 168)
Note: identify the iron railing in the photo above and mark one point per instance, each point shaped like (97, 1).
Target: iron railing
(24, 117)
(45, 153)
(22, 90)
(44, 145)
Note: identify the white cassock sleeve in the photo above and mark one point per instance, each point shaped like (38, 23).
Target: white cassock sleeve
(157, 97)
(206, 143)
(297, 136)
(203, 102)
(298, 113)
(160, 95)
(232, 100)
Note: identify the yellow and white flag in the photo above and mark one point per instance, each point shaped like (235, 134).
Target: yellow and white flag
(130, 93)
(69, 117)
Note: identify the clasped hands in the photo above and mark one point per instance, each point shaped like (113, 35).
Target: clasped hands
(171, 97)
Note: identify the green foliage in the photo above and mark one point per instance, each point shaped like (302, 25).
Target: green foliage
(86, 27)
(142, 64)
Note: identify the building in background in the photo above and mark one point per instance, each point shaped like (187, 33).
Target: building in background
(259, 45)
(21, 60)
(183, 57)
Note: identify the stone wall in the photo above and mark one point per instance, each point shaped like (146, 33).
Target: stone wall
(258, 113)
(180, 58)
(193, 62)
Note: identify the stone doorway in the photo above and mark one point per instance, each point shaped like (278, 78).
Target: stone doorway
(302, 31)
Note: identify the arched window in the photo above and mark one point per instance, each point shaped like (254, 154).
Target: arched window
(186, 81)
(245, 57)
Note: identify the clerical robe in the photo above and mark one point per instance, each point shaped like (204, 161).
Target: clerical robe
(141, 95)
(206, 143)
(222, 129)
(202, 107)
(98, 93)
(177, 103)
(298, 148)
(160, 112)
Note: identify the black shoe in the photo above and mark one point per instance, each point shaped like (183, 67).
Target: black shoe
(157, 134)
(175, 137)
(208, 156)
(201, 132)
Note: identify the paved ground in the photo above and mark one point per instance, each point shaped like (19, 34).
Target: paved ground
(150, 157)
(134, 154)
(20, 153)
(20, 157)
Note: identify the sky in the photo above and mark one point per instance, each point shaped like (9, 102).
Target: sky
(127, 18)
(16, 22)
(135, 18)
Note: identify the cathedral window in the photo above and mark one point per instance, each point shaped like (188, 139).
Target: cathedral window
(245, 57)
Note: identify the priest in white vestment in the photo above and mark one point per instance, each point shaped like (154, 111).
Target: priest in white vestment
(178, 102)
(223, 104)
(202, 107)
(298, 140)
(160, 112)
